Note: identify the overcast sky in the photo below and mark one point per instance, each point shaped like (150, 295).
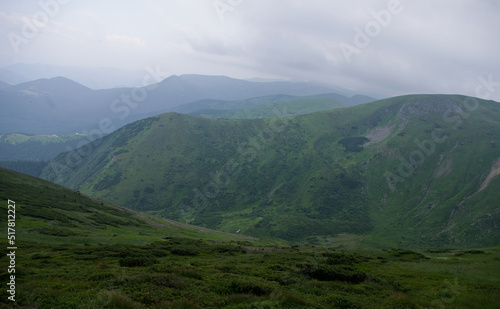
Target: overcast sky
(432, 46)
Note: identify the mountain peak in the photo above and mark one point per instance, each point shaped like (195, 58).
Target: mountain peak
(54, 84)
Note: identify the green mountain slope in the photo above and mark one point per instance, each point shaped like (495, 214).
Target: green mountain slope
(406, 171)
(50, 213)
(72, 251)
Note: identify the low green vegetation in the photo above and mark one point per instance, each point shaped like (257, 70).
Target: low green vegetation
(78, 252)
(54, 214)
(186, 273)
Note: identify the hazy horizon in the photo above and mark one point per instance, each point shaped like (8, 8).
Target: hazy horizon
(388, 47)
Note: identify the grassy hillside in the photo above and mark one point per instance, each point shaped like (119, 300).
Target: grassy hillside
(408, 171)
(77, 252)
(59, 215)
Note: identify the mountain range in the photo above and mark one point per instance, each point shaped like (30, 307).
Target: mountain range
(280, 201)
(95, 78)
(411, 171)
(61, 106)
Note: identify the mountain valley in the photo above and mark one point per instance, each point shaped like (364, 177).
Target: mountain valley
(407, 171)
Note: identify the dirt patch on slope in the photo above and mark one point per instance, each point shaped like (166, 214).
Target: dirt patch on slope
(379, 134)
(495, 171)
(444, 168)
(270, 196)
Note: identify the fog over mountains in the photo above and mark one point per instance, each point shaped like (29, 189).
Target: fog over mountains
(59, 105)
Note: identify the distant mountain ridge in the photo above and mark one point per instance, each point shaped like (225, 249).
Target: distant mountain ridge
(61, 106)
(95, 78)
(46, 85)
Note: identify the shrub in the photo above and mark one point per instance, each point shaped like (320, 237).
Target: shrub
(249, 286)
(185, 250)
(474, 251)
(227, 249)
(55, 231)
(338, 273)
(158, 252)
(183, 303)
(119, 301)
(399, 300)
(137, 262)
(86, 257)
(41, 255)
(108, 181)
(190, 273)
(404, 254)
(438, 250)
(353, 144)
(102, 276)
(341, 303)
(289, 300)
(336, 258)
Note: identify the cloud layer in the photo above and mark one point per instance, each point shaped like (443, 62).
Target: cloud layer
(393, 47)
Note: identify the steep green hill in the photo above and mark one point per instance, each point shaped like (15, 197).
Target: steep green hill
(412, 171)
(50, 213)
